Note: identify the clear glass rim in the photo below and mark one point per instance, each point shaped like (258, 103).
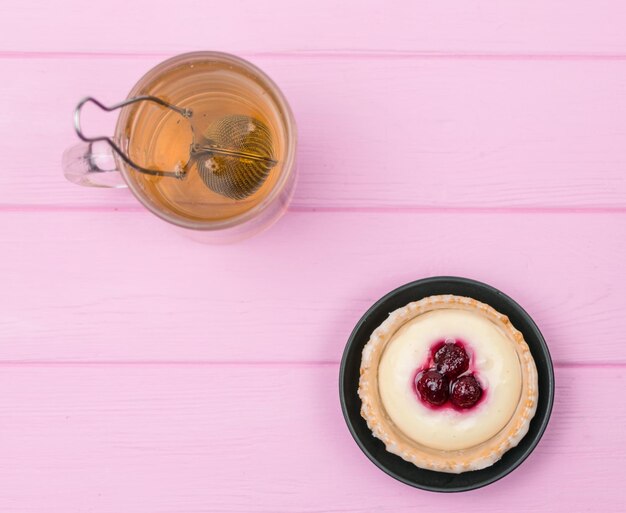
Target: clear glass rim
(291, 136)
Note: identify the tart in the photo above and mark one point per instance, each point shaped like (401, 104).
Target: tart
(448, 384)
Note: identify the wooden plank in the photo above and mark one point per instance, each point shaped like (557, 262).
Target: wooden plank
(261, 438)
(126, 287)
(395, 133)
(555, 26)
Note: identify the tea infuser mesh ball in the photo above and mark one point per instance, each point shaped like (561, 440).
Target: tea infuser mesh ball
(240, 174)
(234, 157)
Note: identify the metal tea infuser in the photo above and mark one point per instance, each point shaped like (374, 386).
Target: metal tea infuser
(233, 157)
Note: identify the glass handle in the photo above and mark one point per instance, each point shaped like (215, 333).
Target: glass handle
(92, 164)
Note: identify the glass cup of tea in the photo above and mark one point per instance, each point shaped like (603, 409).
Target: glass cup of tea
(205, 141)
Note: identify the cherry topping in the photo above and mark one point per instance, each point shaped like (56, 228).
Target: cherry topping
(466, 391)
(432, 387)
(451, 360)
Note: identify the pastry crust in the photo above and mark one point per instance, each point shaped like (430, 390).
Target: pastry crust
(396, 442)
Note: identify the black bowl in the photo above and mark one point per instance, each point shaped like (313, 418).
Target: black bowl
(374, 449)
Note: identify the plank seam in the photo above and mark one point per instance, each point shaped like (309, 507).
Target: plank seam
(364, 210)
(245, 363)
(341, 53)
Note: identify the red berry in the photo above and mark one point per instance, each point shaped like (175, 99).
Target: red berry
(466, 391)
(451, 360)
(432, 387)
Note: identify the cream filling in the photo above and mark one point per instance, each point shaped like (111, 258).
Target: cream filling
(493, 358)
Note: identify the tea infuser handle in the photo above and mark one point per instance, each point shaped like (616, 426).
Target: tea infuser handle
(93, 164)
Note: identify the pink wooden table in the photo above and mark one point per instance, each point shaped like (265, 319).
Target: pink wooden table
(481, 139)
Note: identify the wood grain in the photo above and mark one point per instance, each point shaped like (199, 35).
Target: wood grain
(237, 438)
(556, 26)
(374, 133)
(87, 286)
